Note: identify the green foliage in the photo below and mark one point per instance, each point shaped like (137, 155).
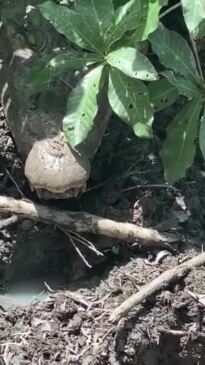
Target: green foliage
(162, 94)
(174, 53)
(202, 134)
(129, 99)
(113, 36)
(179, 149)
(95, 26)
(82, 107)
(132, 63)
(194, 15)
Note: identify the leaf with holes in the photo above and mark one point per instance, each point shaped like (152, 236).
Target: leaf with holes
(185, 87)
(82, 107)
(202, 135)
(50, 67)
(129, 99)
(179, 148)
(194, 15)
(133, 63)
(97, 14)
(162, 94)
(174, 53)
(71, 24)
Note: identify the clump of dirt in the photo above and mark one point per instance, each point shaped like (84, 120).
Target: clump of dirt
(127, 184)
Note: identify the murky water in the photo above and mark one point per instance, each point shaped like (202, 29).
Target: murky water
(24, 292)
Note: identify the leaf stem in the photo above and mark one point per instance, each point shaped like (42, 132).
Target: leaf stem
(195, 52)
(169, 10)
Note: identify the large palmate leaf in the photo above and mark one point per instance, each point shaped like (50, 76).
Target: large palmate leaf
(129, 99)
(162, 94)
(50, 67)
(202, 134)
(70, 23)
(179, 148)
(174, 53)
(194, 15)
(185, 87)
(97, 14)
(82, 107)
(133, 63)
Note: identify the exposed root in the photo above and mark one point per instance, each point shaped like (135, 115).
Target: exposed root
(85, 222)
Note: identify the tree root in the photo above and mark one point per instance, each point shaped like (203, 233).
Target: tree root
(85, 222)
(160, 283)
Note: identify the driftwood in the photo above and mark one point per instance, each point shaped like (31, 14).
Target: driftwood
(161, 282)
(85, 222)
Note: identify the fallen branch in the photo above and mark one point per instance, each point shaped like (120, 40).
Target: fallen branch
(161, 282)
(177, 333)
(85, 222)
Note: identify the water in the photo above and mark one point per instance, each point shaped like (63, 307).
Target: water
(24, 292)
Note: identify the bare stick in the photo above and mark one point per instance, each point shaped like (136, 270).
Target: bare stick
(161, 282)
(85, 222)
(76, 248)
(178, 333)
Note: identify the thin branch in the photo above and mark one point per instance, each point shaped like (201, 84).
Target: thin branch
(84, 241)
(15, 183)
(86, 222)
(196, 55)
(166, 12)
(76, 248)
(161, 282)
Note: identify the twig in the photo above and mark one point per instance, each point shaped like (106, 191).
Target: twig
(150, 186)
(178, 333)
(195, 52)
(76, 298)
(85, 222)
(15, 183)
(166, 12)
(161, 282)
(76, 248)
(85, 242)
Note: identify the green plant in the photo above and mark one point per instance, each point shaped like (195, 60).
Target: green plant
(108, 37)
(101, 30)
(184, 72)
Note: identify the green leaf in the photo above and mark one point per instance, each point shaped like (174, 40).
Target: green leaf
(185, 87)
(179, 149)
(174, 53)
(202, 134)
(70, 23)
(47, 69)
(139, 16)
(127, 17)
(129, 99)
(97, 14)
(164, 2)
(133, 63)
(194, 15)
(151, 11)
(162, 94)
(82, 107)
(118, 3)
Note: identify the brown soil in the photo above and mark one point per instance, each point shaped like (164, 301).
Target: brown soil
(127, 184)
